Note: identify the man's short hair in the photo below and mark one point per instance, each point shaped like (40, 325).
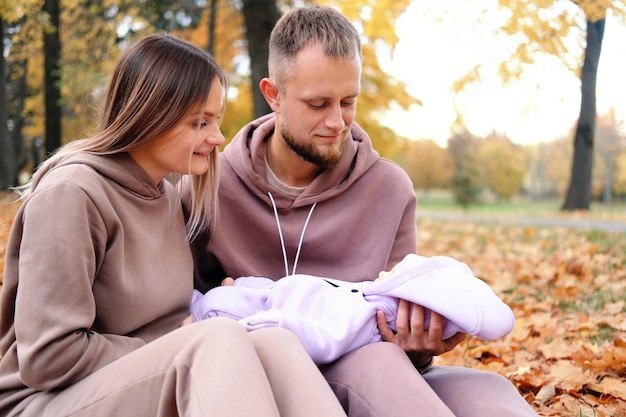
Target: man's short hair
(301, 27)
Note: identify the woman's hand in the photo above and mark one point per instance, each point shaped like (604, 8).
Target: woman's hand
(187, 321)
(226, 282)
(419, 343)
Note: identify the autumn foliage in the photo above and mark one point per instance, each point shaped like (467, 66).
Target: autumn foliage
(567, 288)
(567, 352)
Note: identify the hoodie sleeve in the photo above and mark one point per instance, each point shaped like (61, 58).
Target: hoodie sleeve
(63, 243)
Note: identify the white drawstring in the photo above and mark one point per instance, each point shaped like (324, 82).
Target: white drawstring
(282, 240)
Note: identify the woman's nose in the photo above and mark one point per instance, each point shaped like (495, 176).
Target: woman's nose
(216, 137)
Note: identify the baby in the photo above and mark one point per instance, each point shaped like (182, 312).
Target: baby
(333, 317)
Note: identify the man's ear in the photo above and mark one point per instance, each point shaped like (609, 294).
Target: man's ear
(269, 89)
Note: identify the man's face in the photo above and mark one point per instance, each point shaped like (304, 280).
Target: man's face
(318, 105)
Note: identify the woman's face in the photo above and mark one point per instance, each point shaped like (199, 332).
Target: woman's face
(185, 148)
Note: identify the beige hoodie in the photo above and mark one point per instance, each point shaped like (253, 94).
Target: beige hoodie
(97, 265)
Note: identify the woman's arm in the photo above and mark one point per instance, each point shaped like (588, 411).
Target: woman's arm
(63, 245)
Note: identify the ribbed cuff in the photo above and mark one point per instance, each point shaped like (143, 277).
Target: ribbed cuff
(426, 367)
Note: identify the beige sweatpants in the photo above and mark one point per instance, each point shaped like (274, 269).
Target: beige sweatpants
(210, 368)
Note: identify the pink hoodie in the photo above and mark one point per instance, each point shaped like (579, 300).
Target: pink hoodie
(352, 221)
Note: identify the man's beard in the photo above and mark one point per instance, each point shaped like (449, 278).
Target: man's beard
(324, 159)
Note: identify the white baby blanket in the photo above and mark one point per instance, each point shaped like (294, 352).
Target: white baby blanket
(333, 317)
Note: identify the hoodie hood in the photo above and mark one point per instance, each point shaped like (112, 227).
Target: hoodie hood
(249, 146)
(117, 168)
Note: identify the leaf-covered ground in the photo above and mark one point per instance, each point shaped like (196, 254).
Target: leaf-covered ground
(7, 212)
(567, 353)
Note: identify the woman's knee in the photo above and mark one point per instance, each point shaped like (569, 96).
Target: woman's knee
(220, 322)
(212, 333)
(274, 335)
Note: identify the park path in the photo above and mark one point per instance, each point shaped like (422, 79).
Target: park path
(522, 220)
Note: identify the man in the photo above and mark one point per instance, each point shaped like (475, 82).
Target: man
(303, 191)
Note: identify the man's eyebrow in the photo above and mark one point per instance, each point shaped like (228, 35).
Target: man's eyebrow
(313, 98)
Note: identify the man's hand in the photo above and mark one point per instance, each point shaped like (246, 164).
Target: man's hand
(419, 344)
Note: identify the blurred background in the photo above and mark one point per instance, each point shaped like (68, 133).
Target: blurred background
(508, 115)
(479, 101)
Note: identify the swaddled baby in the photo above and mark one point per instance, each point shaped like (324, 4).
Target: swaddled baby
(333, 317)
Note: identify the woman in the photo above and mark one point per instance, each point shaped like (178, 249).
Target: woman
(99, 273)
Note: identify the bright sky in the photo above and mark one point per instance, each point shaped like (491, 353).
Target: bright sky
(431, 55)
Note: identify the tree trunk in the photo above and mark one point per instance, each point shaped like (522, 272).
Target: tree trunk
(260, 16)
(607, 193)
(579, 191)
(7, 154)
(52, 78)
(17, 110)
(212, 18)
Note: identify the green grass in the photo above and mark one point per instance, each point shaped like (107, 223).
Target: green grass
(593, 301)
(442, 200)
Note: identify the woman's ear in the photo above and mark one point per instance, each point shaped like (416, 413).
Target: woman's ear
(269, 89)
